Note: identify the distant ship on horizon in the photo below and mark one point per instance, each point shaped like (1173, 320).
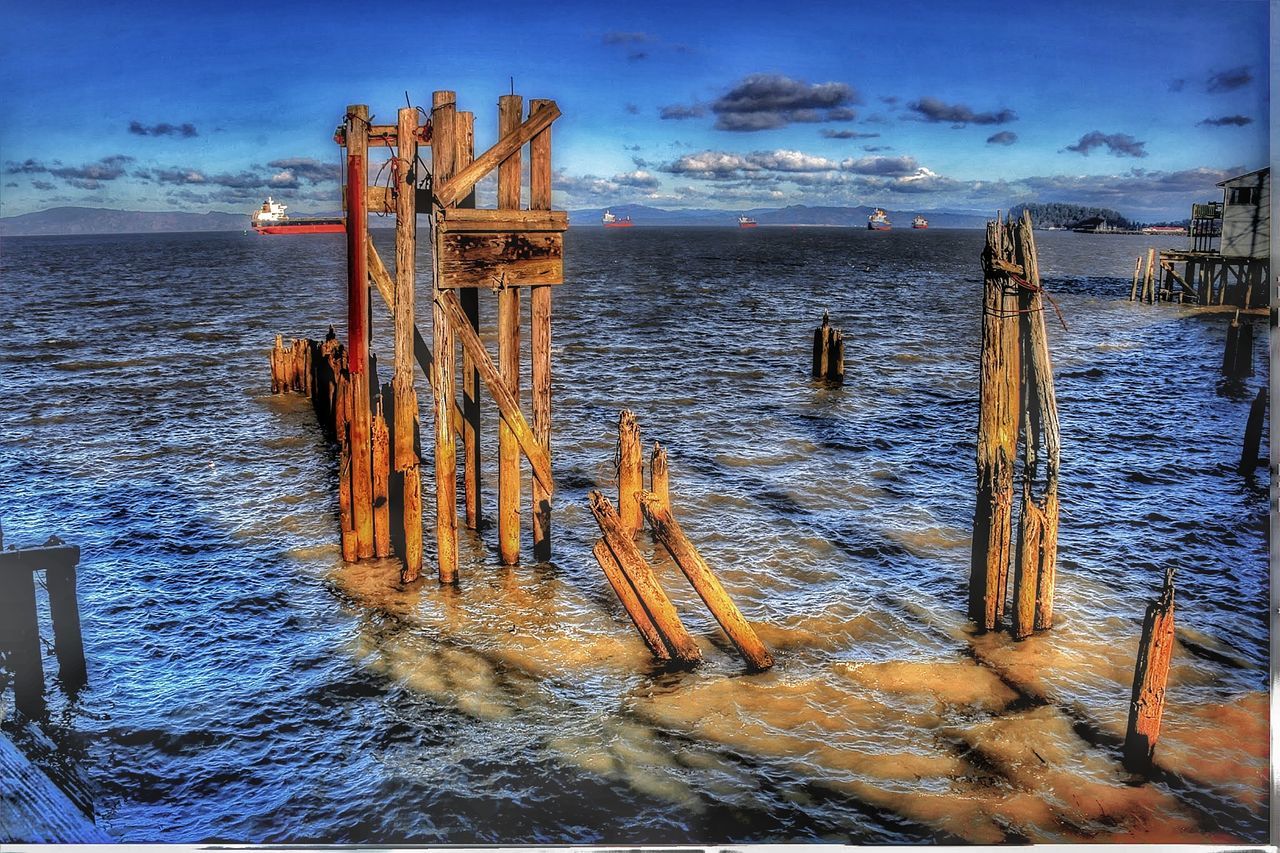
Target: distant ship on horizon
(272, 219)
(878, 221)
(611, 221)
(746, 222)
(919, 222)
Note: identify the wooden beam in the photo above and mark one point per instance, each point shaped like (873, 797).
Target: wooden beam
(500, 259)
(509, 143)
(464, 220)
(508, 407)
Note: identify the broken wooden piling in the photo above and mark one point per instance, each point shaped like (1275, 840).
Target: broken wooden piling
(828, 352)
(998, 422)
(1237, 355)
(630, 473)
(630, 600)
(1150, 680)
(667, 531)
(659, 475)
(1036, 561)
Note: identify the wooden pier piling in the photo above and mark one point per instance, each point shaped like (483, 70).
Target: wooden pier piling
(443, 151)
(820, 343)
(630, 600)
(998, 422)
(630, 473)
(510, 111)
(1237, 355)
(1137, 273)
(828, 352)
(472, 477)
(659, 475)
(1249, 455)
(405, 459)
(540, 336)
(1150, 680)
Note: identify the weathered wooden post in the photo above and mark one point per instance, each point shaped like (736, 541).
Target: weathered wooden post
(510, 112)
(1148, 286)
(1253, 433)
(1237, 355)
(1137, 272)
(443, 151)
(997, 432)
(405, 458)
(630, 473)
(1150, 680)
(21, 635)
(357, 139)
(1038, 529)
(835, 358)
(659, 475)
(821, 341)
(381, 445)
(540, 337)
(630, 601)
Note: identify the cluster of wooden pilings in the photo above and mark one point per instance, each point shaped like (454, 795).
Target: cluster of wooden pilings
(828, 352)
(634, 580)
(1017, 401)
(1206, 279)
(20, 641)
(377, 510)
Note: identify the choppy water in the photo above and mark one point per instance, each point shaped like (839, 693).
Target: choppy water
(245, 685)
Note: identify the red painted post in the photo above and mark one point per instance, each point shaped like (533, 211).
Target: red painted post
(357, 266)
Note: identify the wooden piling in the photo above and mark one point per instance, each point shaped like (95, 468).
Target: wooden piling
(380, 443)
(1249, 455)
(667, 531)
(357, 139)
(464, 125)
(361, 464)
(540, 336)
(1035, 568)
(821, 341)
(510, 109)
(630, 473)
(638, 573)
(1150, 680)
(64, 614)
(346, 521)
(1148, 287)
(443, 114)
(998, 422)
(835, 358)
(630, 601)
(1137, 272)
(405, 458)
(20, 638)
(660, 475)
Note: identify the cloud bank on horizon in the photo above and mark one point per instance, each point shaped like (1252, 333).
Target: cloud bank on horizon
(666, 106)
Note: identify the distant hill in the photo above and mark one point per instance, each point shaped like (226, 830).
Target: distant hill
(796, 214)
(1063, 215)
(96, 220)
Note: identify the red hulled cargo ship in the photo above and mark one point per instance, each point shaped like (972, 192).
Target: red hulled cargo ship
(272, 219)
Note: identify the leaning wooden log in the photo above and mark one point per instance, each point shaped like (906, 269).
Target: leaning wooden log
(1253, 433)
(630, 601)
(630, 473)
(656, 603)
(1137, 273)
(998, 394)
(1034, 577)
(1150, 680)
(667, 531)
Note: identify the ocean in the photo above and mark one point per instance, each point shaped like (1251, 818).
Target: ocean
(247, 686)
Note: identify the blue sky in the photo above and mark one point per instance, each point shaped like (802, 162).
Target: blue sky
(906, 105)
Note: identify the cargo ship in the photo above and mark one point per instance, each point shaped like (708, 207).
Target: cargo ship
(746, 222)
(919, 222)
(611, 221)
(878, 221)
(272, 219)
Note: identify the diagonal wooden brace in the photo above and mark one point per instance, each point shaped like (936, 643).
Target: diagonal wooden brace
(382, 280)
(508, 406)
(460, 184)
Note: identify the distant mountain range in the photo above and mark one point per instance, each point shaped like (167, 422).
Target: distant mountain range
(94, 220)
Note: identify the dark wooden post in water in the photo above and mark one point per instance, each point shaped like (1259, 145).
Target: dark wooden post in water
(1237, 356)
(540, 337)
(1150, 679)
(1137, 273)
(443, 112)
(510, 109)
(1038, 529)
(464, 127)
(405, 457)
(1253, 433)
(998, 418)
(828, 352)
(19, 625)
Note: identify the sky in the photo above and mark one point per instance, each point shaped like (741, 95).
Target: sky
(960, 105)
